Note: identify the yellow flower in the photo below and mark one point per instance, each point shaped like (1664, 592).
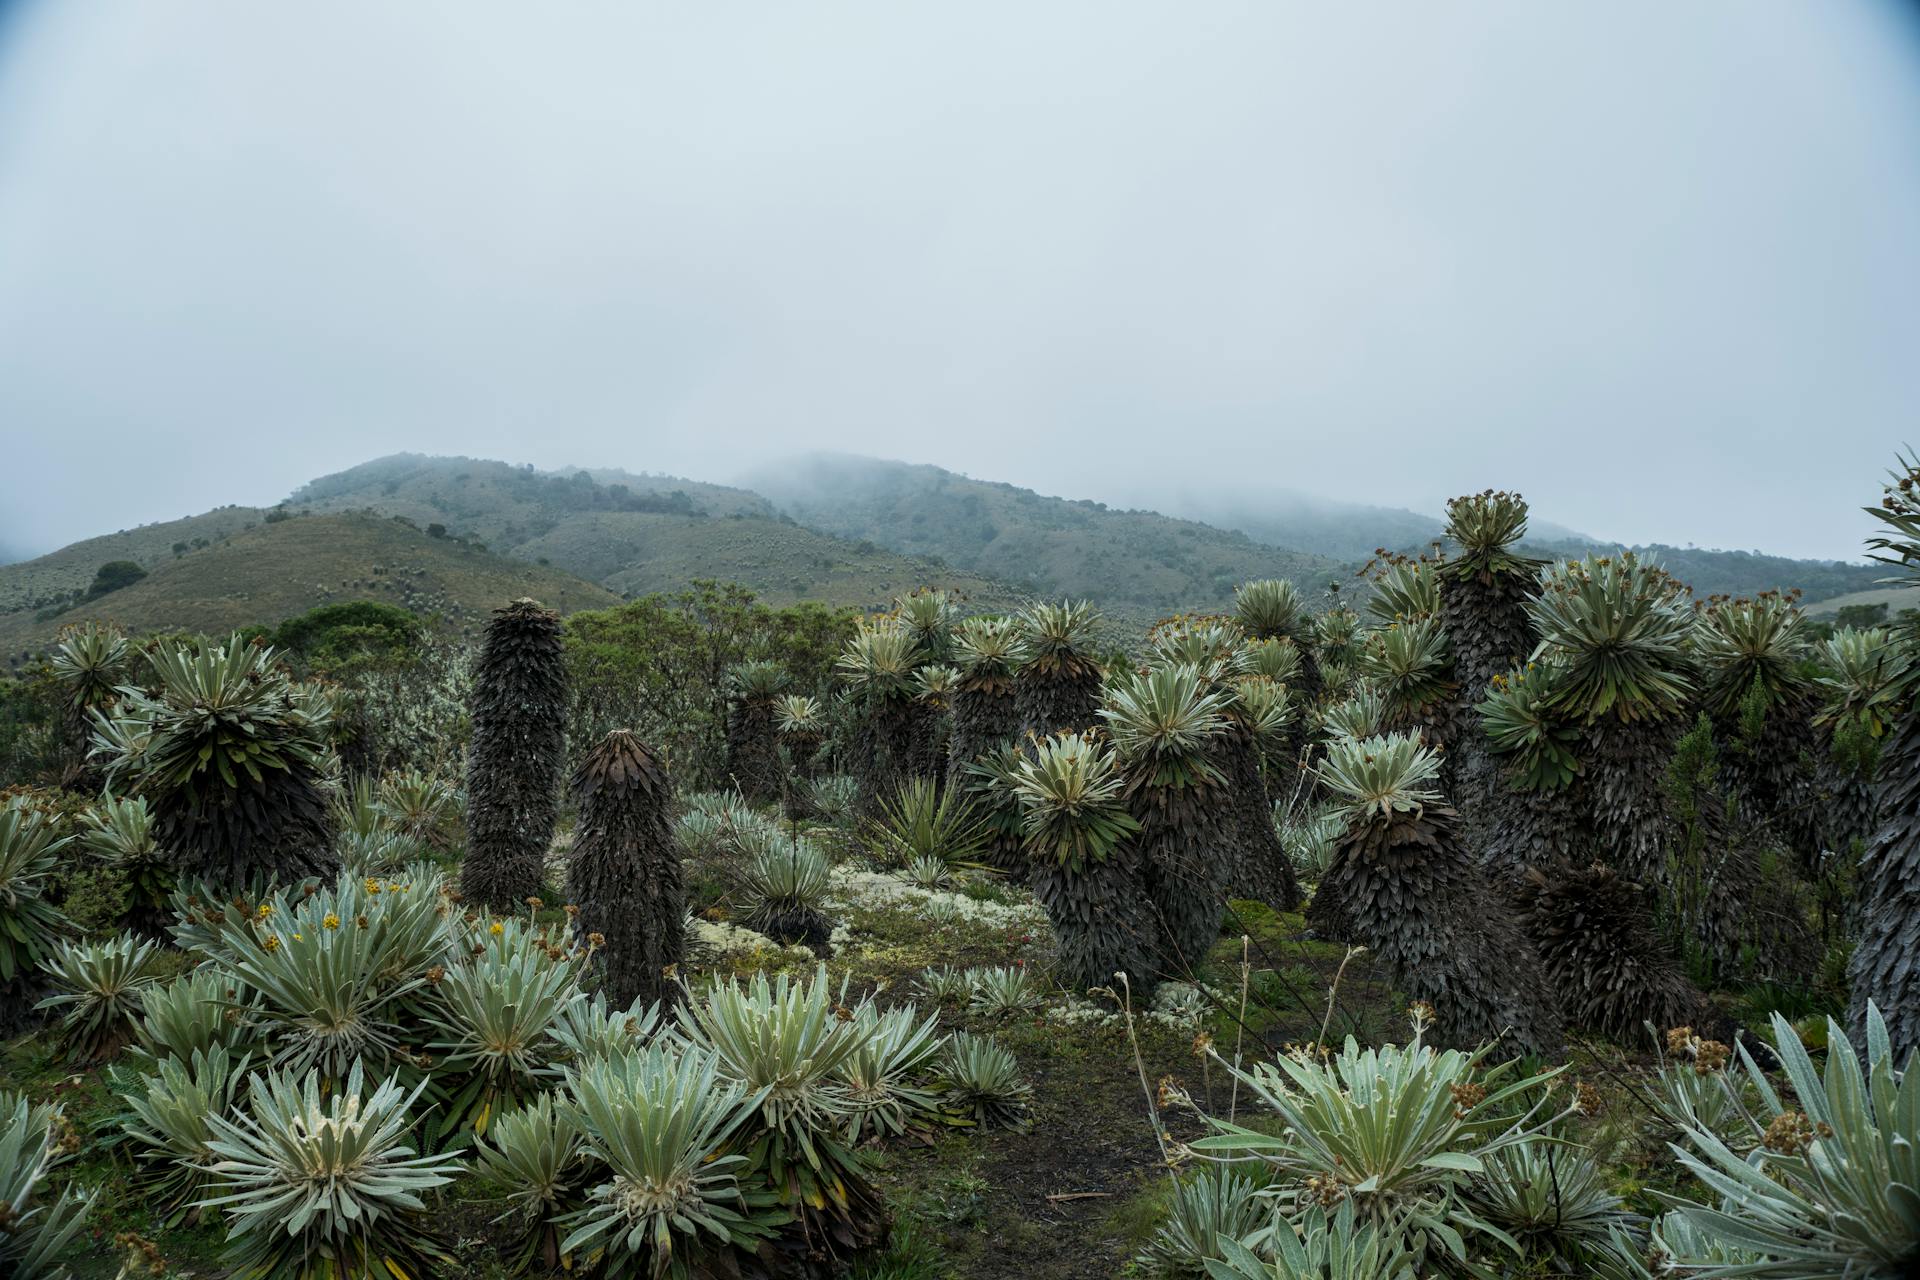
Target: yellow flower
(332, 921)
(496, 929)
(298, 938)
(272, 942)
(372, 885)
(266, 909)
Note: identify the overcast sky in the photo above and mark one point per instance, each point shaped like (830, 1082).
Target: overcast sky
(1657, 265)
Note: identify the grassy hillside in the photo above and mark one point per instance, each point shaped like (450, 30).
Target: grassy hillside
(506, 506)
(636, 533)
(1897, 599)
(1133, 560)
(275, 570)
(34, 584)
(635, 553)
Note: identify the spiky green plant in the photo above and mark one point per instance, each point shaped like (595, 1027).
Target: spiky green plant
(519, 711)
(1003, 991)
(990, 784)
(120, 833)
(1212, 645)
(537, 1156)
(944, 984)
(422, 805)
(1619, 630)
(493, 1020)
(195, 1013)
(660, 1120)
(1218, 1201)
(1526, 725)
(1402, 885)
(1399, 1130)
(1270, 609)
(1333, 634)
(929, 872)
(921, 821)
(1692, 1088)
(318, 1184)
(1057, 685)
(41, 1224)
(338, 972)
(1086, 872)
(987, 652)
(232, 764)
(784, 1043)
(982, 1083)
(591, 1028)
(98, 986)
(1862, 676)
(783, 886)
(800, 721)
(1829, 1189)
(1554, 1200)
(167, 1122)
(1404, 590)
(1340, 1247)
(929, 615)
(1361, 714)
(29, 925)
(625, 874)
(1278, 660)
(885, 1076)
(835, 797)
(1411, 667)
(1885, 967)
(1311, 836)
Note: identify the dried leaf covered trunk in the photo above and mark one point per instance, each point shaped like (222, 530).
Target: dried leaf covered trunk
(1886, 962)
(625, 871)
(1260, 867)
(515, 761)
(984, 716)
(1102, 920)
(1609, 967)
(753, 750)
(1403, 888)
(1050, 702)
(1626, 770)
(1485, 617)
(1526, 828)
(278, 829)
(1186, 849)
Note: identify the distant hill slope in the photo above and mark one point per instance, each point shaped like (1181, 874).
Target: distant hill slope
(34, 584)
(1737, 573)
(275, 570)
(1131, 560)
(1326, 527)
(637, 533)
